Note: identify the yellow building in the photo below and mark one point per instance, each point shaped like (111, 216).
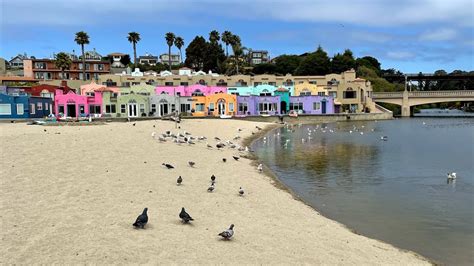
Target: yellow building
(214, 105)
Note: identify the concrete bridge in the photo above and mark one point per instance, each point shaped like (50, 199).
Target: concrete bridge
(407, 99)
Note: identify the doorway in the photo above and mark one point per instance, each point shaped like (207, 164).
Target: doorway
(71, 110)
(283, 107)
(323, 107)
(163, 109)
(221, 107)
(132, 110)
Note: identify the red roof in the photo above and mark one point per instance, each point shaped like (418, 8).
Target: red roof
(36, 90)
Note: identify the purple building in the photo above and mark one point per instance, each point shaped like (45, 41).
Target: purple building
(258, 105)
(312, 104)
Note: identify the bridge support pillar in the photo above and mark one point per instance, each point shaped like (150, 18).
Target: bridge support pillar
(405, 105)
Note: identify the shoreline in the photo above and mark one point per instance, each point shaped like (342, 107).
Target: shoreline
(276, 181)
(112, 171)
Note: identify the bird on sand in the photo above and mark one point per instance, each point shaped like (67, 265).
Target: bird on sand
(260, 168)
(241, 191)
(213, 178)
(211, 188)
(216, 138)
(184, 216)
(179, 180)
(133, 124)
(191, 163)
(224, 160)
(142, 220)
(257, 127)
(236, 158)
(220, 145)
(169, 166)
(209, 146)
(227, 234)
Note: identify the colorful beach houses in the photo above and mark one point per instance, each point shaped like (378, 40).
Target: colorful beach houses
(75, 105)
(24, 106)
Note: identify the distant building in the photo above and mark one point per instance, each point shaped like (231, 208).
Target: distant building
(148, 59)
(3, 66)
(115, 58)
(175, 59)
(259, 57)
(45, 69)
(17, 61)
(91, 55)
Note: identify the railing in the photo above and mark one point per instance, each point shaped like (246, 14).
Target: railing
(377, 95)
(461, 93)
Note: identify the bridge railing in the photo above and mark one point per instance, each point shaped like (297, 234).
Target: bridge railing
(376, 95)
(460, 93)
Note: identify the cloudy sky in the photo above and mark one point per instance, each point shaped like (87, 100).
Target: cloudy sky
(413, 36)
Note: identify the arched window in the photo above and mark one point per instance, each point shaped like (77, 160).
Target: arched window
(197, 92)
(163, 92)
(265, 92)
(202, 82)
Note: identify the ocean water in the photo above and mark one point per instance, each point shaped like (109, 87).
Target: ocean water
(395, 190)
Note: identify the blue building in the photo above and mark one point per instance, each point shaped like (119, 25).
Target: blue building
(24, 106)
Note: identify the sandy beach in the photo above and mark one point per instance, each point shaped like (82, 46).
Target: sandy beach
(70, 195)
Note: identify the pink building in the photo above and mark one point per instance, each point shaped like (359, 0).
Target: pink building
(192, 90)
(88, 89)
(73, 105)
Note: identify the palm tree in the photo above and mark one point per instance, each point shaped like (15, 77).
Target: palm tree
(134, 37)
(179, 42)
(62, 61)
(81, 39)
(226, 36)
(169, 40)
(236, 49)
(214, 36)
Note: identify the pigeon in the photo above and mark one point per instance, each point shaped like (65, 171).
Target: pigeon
(227, 234)
(44, 130)
(220, 145)
(185, 217)
(236, 158)
(154, 125)
(224, 160)
(179, 180)
(260, 168)
(133, 124)
(169, 166)
(241, 191)
(191, 163)
(239, 129)
(161, 139)
(209, 146)
(142, 219)
(213, 178)
(191, 142)
(257, 127)
(216, 138)
(211, 188)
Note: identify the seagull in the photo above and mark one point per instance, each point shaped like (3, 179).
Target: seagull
(227, 234)
(213, 178)
(169, 166)
(239, 129)
(161, 139)
(452, 175)
(241, 191)
(216, 138)
(185, 217)
(133, 124)
(259, 128)
(191, 163)
(209, 146)
(384, 138)
(153, 134)
(236, 158)
(224, 160)
(220, 145)
(260, 168)
(211, 188)
(142, 219)
(179, 180)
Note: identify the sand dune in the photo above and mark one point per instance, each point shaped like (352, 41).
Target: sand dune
(72, 198)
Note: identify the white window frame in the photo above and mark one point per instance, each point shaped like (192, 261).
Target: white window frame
(32, 109)
(9, 107)
(20, 106)
(231, 107)
(39, 106)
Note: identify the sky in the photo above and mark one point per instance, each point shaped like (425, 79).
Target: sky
(411, 36)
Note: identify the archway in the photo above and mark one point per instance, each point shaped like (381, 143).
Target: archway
(283, 107)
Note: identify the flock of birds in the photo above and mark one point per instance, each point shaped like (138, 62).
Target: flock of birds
(185, 137)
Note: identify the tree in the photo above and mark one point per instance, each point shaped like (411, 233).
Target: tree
(287, 64)
(134, 38)
(169, 40)
(125, 60)
(63, 62)
(265, 68)
(82, 38)
(316, 63)
(214, 36)
(237, 50)
(370, 62)
(226, 36)
(179, 42)
(195, 53)
(343, 62)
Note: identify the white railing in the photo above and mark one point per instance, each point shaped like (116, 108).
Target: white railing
(441, 94)
(377, 95)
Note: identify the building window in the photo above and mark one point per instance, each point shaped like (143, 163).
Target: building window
(199, 107)
(243, 107)
(231, 107)
(265, 107)
(5, 109)
(40, 65)
(202, 82)
(61, 109)
(82, 109)
(255, 84)
(211, 107)
(123, 108)
(316, 105)
(153, 108)
(183, 83)
(265, 93)
(197, 93)
(305, 93)
(90, 93)
(94, 109)
(271, 83)
(110, 109)
(185, 107)
(142, 108)
(349, 94)
(333, 94)
(296, 106)
(169, 83)
(20, 109)
(32, 109)
(313, 82)
(39, 106)
(321, 93)
(173, 107)
(46, 106)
